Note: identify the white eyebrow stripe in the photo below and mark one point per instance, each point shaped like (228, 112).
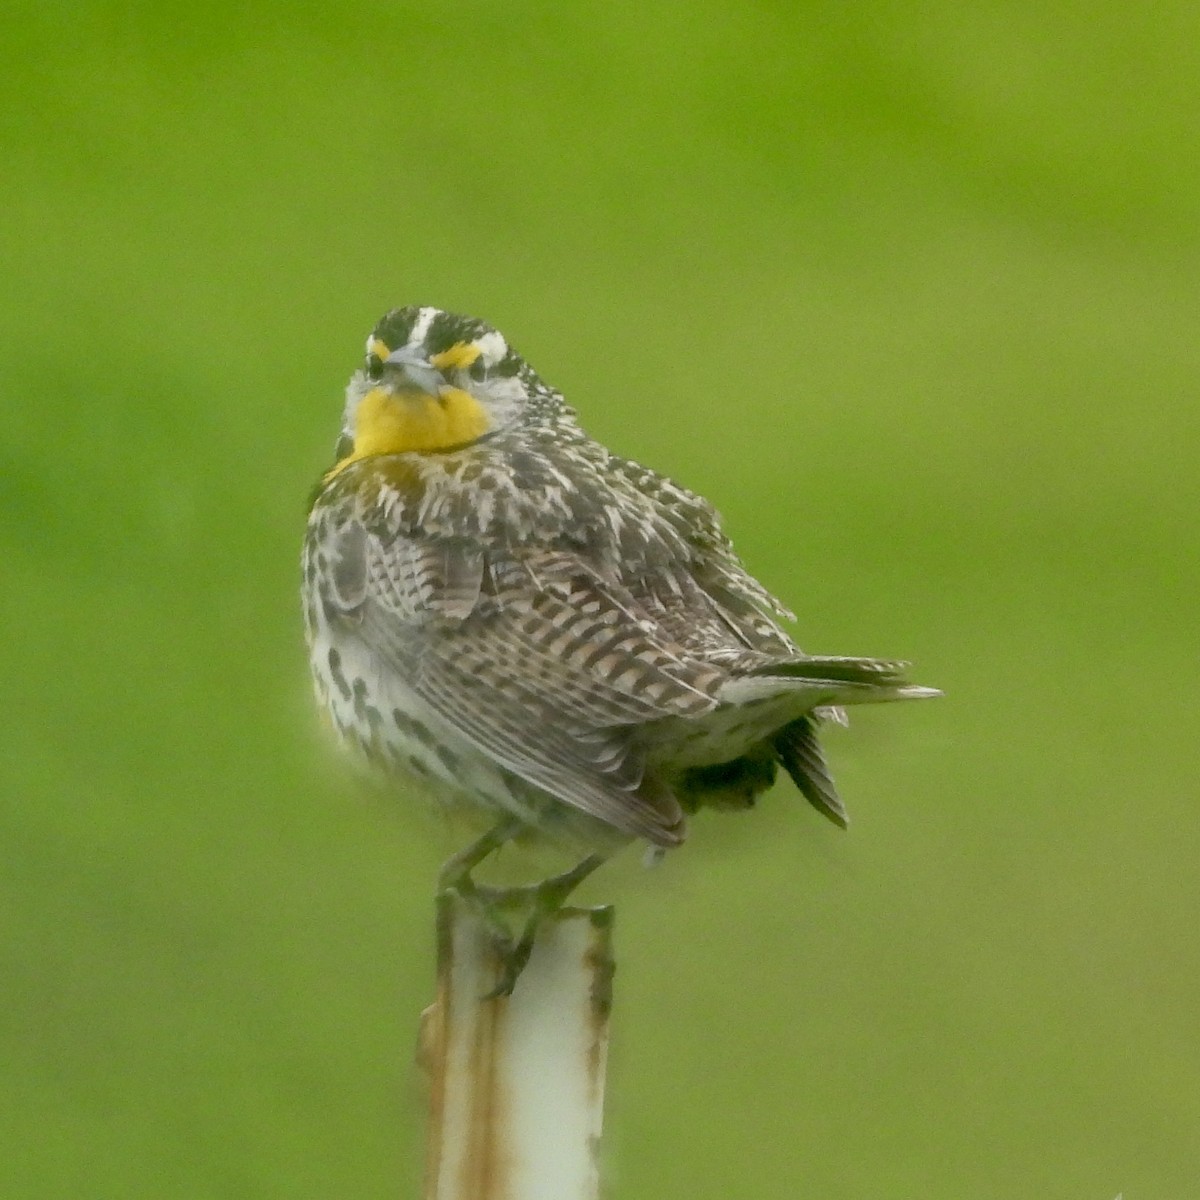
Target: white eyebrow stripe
(492, 347)
(421, 328)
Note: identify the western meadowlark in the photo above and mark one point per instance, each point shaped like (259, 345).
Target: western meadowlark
(539, 629)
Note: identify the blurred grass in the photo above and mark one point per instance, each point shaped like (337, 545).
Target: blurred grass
(908, 290)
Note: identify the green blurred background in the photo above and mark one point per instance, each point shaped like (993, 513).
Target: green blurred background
(909, 290)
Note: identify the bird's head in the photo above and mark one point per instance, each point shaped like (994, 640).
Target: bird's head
(432, 382)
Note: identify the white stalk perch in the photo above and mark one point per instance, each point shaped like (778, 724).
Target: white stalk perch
(517, 1082)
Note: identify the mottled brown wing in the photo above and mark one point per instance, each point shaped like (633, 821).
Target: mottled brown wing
(714, 624)
(714, 606)
(534, 659)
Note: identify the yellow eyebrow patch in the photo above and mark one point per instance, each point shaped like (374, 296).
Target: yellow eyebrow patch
(461, 355)
(378, 349)
(393, 423)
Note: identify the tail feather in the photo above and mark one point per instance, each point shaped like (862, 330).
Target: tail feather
(834, 680)
(874, 672)
(801, 756)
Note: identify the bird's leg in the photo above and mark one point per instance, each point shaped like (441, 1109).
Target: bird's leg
(544, 900)
(455, 876)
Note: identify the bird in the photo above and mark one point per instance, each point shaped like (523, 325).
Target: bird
(544, 634)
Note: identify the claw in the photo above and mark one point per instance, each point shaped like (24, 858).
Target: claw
(544, 900)
(513, 958)
(539, 900)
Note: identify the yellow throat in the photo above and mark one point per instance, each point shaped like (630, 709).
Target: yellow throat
(390, 422)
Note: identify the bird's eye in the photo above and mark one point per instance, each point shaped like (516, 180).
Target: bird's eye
(479, 370)
(377, 352)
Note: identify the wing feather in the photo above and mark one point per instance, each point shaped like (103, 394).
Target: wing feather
(549, 680)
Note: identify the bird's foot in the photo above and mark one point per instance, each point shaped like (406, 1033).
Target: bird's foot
(536, 902)
(511, 915)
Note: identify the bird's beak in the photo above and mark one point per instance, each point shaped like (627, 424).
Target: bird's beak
(414, 373)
